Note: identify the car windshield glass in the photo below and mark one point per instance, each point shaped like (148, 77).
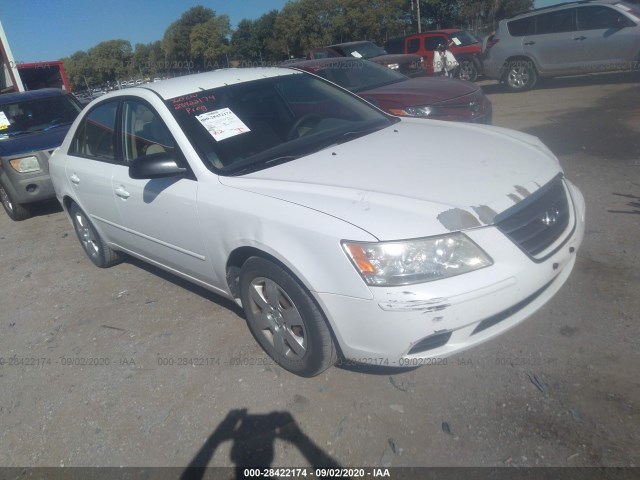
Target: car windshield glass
(362, 50)
(464, 39)
(254, 125)
(36, 115)
(358, 75)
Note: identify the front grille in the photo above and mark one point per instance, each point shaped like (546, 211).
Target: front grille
(537, 221)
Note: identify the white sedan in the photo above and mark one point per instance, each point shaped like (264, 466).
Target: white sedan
(344, 232)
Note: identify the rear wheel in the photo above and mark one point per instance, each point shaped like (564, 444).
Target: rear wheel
(15, 210)
(284, 319)
(93, 245)
(521, 75)
(467, 70)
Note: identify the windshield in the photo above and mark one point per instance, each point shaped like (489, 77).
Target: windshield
(357, 75)
(36, 115)
(462, 39)
(250, 126)
(362, 50)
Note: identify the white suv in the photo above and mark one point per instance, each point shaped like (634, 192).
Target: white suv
(567, 39)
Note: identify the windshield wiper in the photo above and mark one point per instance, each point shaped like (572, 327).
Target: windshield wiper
(56, 125)
(254, 167)
(14, 134)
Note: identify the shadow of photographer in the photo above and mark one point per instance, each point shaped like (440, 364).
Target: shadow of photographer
(253, 438)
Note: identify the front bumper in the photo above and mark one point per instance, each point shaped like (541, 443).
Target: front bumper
(28, 187)
(407, 325)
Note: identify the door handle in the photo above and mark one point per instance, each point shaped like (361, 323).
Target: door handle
(122, 193)
(580, 38)
(74, 179)
(529, 43)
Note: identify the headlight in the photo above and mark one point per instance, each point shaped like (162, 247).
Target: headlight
(417, 111)
(394, 66)
(25, 164)
(416, 261)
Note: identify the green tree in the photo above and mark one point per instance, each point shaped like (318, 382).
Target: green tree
(209, 41)
(80, 71)
(375, 20)
(176, 42)
(305, 24)
(253, 40)
(111, 60)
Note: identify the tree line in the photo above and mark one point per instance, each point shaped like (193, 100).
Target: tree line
(202, 40)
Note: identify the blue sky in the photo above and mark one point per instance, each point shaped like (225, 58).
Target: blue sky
(40, 30)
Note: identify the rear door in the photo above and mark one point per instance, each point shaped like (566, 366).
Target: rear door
(553, 47)
(91, 159)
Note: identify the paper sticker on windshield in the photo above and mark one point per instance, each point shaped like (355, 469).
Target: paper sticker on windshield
(4, 121)
(222, 124)
(356, 54)
(456, 41)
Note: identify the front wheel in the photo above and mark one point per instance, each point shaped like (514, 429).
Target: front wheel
(94, 246)
(521, 75)
(15, 210)
(284, 319)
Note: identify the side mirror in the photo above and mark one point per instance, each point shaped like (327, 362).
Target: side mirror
(157, 165)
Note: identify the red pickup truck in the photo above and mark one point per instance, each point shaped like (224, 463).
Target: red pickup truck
(465, 47)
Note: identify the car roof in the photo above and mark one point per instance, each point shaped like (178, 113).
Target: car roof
(324, 62)
(347, 44)
(176, 87)
(563, 5)
(30, 95)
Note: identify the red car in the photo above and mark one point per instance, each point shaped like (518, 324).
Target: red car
(465, 47)
(427, 97)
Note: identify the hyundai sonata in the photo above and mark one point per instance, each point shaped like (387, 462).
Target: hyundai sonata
(343, 232)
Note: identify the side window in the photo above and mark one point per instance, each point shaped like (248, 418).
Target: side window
(431, 43)
(555, 22)
(413, 45)
(143, 131)
(522, 27)
(96, 136)
(600, 18)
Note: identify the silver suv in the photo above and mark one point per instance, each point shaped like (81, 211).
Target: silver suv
(566, 39)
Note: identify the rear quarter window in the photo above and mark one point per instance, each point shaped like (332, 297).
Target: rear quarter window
(521, 27)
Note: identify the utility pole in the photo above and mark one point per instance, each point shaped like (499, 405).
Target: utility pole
(417, 14)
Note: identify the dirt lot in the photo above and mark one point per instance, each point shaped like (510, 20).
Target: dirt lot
(133, 367)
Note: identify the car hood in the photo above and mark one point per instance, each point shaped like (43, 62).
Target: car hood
(421, 91)
(395, 58)
(33, 142)
(412, 180)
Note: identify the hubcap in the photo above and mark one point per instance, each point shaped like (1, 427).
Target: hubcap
(519, 77)
(86, 236)
(276, 318)
(6, 201)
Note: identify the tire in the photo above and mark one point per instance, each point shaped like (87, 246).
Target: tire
(93, 245)
(467, 70)
(284, 319)
(16, 211)
(521, 75)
